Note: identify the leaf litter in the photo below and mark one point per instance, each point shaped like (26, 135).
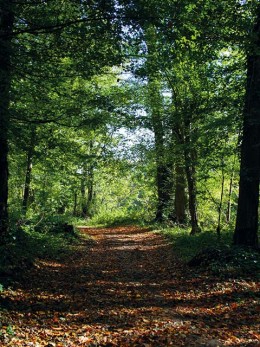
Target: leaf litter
(127, 288)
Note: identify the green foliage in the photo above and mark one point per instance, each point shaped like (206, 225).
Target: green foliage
(10, 330)
(72, 91)
(49, 239)
(205, 250)
(47, 245)
(114, 218)
(236, 261)
(54, 224)
(188, 246)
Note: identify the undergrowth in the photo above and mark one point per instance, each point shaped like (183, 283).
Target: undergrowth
(187, 246)
(117, 217)
(27, 241)
(217, 255)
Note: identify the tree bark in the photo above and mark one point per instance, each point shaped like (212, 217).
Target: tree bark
(87, 185)
(75, 204)
(221, 201)
(230, 190)
(90, 181)
(6, 27)
(163, 168)
(180, 196)
(163, 191)
(28, 174)
(162, 171)
(190, 170)
(84, 206)
(246, 229)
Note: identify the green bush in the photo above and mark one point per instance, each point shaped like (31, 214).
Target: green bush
(117, 217)
(219, 256)
(52, 239)
(187, 246)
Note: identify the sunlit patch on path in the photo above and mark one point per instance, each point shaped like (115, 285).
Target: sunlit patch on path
(126, 287)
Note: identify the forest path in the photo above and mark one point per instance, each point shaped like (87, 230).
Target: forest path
(127, 288)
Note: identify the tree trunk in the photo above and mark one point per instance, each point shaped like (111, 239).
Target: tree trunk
(6, 26)
(84, 206)
(230, 190)
(221, 201)
(90, 187)
(180, 196)
(192, 200)
(190, 170)
(87, 185)
(163, 169)
(248, 201)
(90, 182)
(75, 203)
(28, 174)
(163, 190)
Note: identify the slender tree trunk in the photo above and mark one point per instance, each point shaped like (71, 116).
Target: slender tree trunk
(28, 174)
(180, 196)
(84, 206)
(248, 201)
(6, 26)
(87, 185)
(228, 213)
(190, 169)
(163, 169)
(160, 167)
(230, 190)
(190, 173)
(90, 186)
(75, 204)
(221, 202)
(90, 182)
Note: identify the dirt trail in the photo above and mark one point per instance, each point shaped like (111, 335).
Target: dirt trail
(126, 288)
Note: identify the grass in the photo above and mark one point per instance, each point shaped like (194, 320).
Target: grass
(110, 221)
(219, 256)
(187, 246)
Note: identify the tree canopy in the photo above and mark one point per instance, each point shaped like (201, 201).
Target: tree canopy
(131, 109)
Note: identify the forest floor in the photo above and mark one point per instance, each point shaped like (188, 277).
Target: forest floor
(126, 287)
